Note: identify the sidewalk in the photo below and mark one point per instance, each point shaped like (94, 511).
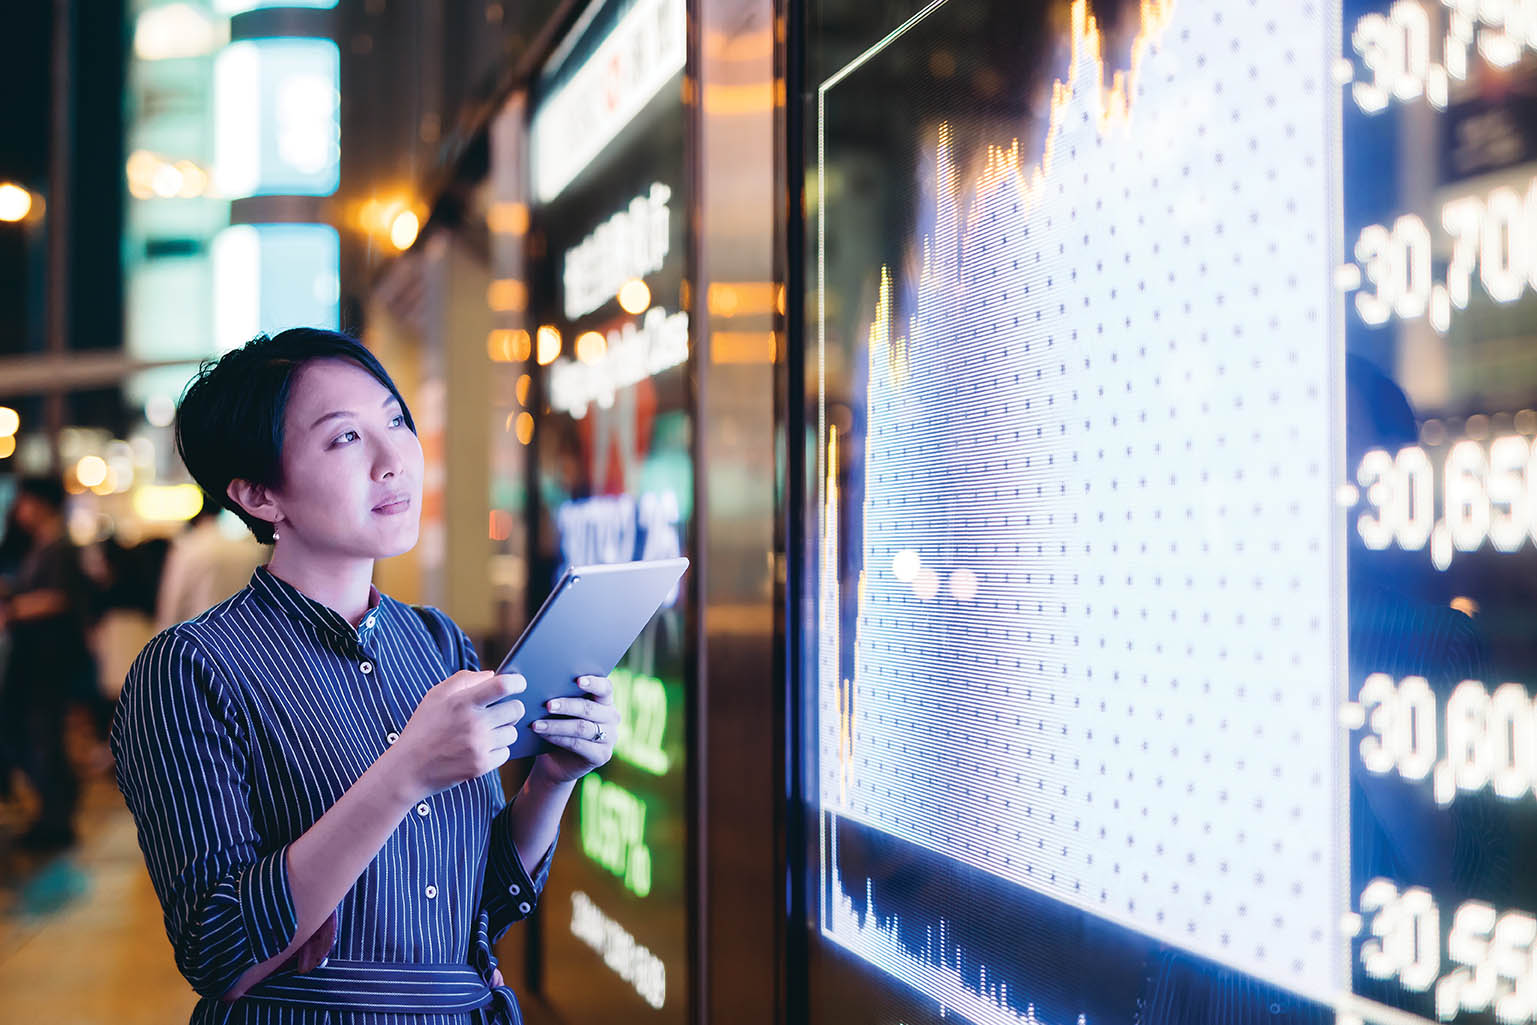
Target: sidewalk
(81, 938)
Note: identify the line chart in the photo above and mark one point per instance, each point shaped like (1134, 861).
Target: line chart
(1089, 618)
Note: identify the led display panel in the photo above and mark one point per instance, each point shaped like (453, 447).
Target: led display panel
(611, 444)
(277, 118)
(1171, 366)
(241, 6)
(270, 277)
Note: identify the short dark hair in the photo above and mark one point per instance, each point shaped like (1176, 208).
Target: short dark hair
(229, 424)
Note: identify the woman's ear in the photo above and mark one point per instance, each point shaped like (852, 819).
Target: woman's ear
(255, 499)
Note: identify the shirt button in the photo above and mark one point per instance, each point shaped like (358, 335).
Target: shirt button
(514, 889)
(369, 621)
(422, 809)
(366, 667)
(390, 738)
(525, 907)
(431, 891)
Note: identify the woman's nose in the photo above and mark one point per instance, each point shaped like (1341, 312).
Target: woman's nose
(388, 461)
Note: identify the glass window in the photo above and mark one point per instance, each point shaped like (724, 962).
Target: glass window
(611, 441)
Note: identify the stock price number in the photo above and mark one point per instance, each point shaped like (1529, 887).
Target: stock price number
(1486, 494)
(613, 826)
(1492, 956)
(1493, 237)
(1408, 58)
(1479, 741)
(642, 704)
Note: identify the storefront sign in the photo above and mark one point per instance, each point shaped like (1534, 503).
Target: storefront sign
(634, 353)
(584, 113)
(631, 244)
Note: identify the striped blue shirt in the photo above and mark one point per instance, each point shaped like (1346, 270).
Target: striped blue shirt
(236, 731)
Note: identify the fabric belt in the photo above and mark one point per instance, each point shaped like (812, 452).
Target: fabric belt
(401, 988)
(380, 987)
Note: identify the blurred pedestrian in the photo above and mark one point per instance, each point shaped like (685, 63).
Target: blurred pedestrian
(46, 616)
(129, 584)
(204, 566)
(13, 548)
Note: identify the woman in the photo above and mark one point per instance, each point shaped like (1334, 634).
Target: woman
(311, 764)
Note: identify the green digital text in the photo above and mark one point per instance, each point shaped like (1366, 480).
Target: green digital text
(614, 832)
(642, 704)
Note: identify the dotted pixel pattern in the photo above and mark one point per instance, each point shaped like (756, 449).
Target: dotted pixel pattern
(1093, 650)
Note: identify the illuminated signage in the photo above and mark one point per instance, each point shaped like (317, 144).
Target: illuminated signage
(1033, 522)
(277, 118)
(631, 961)
(611, 450)
(176, 30)
(645, 50)
(633, 353)
(1394, 276)
(1030, 296)
(1475, 493)
(631, 244)
(241, 6)
(1176, 419)
(619, 528)
(642, 704)
(169, 308)
(268, 277)
(613, 823)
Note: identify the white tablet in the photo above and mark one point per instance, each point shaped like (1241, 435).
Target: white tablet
(583, 629)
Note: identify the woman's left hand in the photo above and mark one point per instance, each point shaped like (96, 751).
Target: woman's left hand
(586, 737)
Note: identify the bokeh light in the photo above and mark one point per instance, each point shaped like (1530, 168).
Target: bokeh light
(634, 297)
(15, 202)
(91, 471)
(591, 347)
(548, 343)
(403, 230)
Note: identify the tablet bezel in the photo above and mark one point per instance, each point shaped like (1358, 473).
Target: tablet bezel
(533, 700)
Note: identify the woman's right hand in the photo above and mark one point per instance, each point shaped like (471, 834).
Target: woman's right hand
(456, 733)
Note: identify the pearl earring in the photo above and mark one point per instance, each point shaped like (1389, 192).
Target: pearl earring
(274, 533)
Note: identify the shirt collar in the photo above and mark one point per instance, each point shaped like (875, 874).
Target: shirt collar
(301, 608)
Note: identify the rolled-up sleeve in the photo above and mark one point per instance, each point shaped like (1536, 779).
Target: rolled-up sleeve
(183, 766)
(511, 892)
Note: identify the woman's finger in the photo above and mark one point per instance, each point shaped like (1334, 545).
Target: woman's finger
(316, 949)
(581, 708)
(504, 736)
(595, 753)
(581, 729)
(600, 687)
(483, 689)
(507, 713)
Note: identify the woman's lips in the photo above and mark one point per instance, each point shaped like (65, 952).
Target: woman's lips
(393, 507)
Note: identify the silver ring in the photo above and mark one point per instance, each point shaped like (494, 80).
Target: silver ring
(598, 737)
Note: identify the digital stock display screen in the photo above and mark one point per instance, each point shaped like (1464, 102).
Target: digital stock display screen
(1171, 655)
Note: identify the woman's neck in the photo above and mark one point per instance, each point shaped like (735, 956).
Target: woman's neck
(343, 584)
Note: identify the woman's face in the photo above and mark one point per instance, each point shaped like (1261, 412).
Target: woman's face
(352, 468)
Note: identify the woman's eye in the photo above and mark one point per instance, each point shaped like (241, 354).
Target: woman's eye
(398, 420)
(347, 438)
